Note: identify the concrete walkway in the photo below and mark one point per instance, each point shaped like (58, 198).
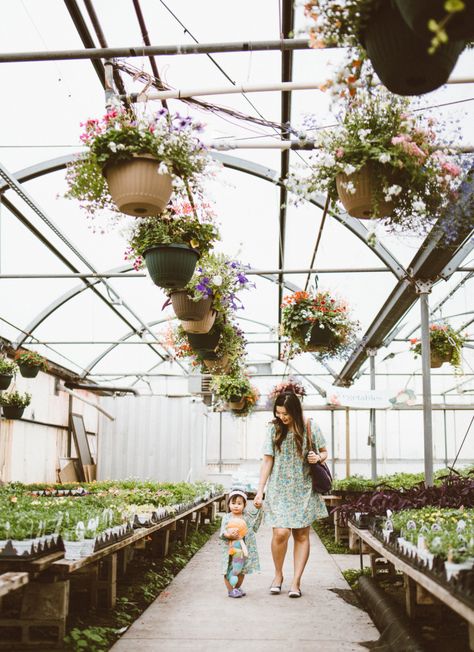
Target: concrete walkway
(194, 612)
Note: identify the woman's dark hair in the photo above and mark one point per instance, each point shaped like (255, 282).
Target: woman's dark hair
(292, 404)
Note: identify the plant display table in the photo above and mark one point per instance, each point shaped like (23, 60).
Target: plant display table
(420, 588)
(12, 581)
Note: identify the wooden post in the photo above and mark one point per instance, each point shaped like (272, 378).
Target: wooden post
(161, 543)
(348, 444)
(108, 582)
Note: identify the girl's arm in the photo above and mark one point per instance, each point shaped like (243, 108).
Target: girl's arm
(319, 444)
(265, 471)
(254, 518)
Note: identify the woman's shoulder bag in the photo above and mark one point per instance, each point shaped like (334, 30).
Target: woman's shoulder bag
(320, 474)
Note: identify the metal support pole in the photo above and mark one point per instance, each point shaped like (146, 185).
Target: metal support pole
(333, 460)
(372, 418)
(445, 437)
(348, 444)
(220, 442)
(423, 288)
(109, 83)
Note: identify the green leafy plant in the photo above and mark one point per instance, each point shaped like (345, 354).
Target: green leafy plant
(444, 341)
(352, 575)
(412, 170)
(231, 387)
(338, 24)
(15, 399)
(251, 399)
(122, 134)
(303, 310)
(7, 367)
(32, 359)
(178, 225)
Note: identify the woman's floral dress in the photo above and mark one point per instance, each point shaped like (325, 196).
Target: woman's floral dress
(289, 500)
(253, 518)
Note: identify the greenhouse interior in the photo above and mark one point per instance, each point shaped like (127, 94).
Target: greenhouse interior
(248, 342)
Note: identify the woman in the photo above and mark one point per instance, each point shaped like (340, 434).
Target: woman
(290, 505)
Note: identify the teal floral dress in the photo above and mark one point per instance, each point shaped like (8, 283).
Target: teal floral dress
(253, 517)
(289, 499)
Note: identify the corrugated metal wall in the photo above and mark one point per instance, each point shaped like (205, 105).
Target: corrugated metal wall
(152, 437)
(29, 450)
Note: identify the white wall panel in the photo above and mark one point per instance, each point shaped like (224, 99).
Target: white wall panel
(152, 437)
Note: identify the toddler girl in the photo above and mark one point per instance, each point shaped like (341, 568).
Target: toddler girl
(239, 547)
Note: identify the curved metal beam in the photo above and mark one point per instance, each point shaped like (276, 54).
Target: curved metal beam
(248, 167)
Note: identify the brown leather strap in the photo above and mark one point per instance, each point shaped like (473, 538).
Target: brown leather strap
(308, 435)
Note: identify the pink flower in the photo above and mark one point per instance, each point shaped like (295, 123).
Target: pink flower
(339, 152)
(396, 140)
(451, 168)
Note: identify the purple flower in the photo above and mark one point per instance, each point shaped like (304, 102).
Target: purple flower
(242, 278)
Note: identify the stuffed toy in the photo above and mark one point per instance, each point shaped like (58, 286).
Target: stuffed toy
(237, 550)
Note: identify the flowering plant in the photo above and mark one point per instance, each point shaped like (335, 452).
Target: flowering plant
(444, 342)
(338, 24)
(32, 359)
(250, 401)
(119, 136)
(219, 278)
(7, 367)
(15, 399)
(231, 387)
(231, 344)
(179, 224)
(301, 311)
(291, 384)
(410, 168)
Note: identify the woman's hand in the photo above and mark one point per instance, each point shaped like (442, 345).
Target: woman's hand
(313, 458)
(258, 500)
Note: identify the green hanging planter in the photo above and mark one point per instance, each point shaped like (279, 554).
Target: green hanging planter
(171, 266)
(12, 411)
(418, 13)
(29, 370)
(5, 380)
(400, 57)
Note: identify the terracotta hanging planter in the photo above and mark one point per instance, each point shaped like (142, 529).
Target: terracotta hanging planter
(236, 405)
(202, 326)
(320, 339)
(136, 186)
(215, 364)
(171, 266)
(437, 359)
(361, 203)
(188, 310)
(400, 57)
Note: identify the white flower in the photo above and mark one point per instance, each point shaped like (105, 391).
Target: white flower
(349, 169)
(121, 146)
(363, 133)
(349, 186)
(163, 168)
(419, 206)
(113, 146)
(326, 159)
(394, 190)
(217, 280)
(384, 157)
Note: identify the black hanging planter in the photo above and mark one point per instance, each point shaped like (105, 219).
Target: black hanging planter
(205, 342)
(417, 14)
(29, 370)
(320, 339)
(5, 380)
(400, 57)
(12, 411)
(171, 266)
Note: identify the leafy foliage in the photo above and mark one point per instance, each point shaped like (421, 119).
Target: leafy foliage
(32, 359)
(444, 341)
(15, 399)
(7, 367)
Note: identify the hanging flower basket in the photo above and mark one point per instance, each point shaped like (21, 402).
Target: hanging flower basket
(188, 310)
(137, 187)
(202, 326)
(437, 359)
(418, 13)
(204, 342)
(400, 57)
(5, 380)
(236, 403)
(12, 411)
(171, 266)
(215, 364)
(361, 202)
(320, 339)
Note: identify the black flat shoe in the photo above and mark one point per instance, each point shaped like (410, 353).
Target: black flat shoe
(295, 594)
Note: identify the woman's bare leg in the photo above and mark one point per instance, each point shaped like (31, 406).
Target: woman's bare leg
(279, 547)
(300, 554)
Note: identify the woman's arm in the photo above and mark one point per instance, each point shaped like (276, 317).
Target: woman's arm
(265, 471)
